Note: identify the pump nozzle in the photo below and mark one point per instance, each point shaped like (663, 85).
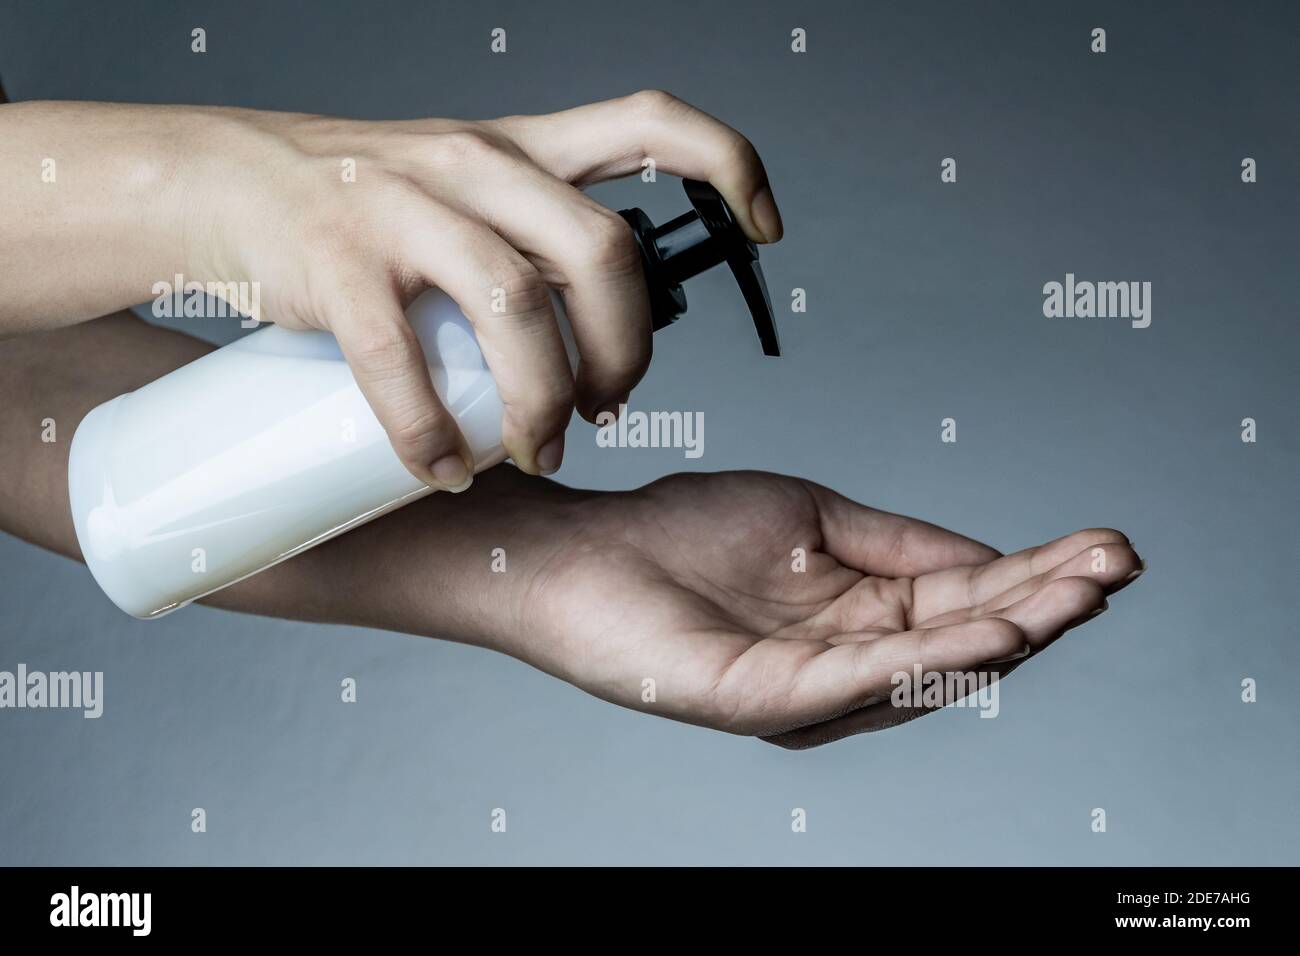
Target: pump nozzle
(693, 242)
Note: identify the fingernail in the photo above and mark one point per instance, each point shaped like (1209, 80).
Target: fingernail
(1014, 657)
(548, 457)
(765, 215)
(1136, 574)
(452, 473)
(1095, 611)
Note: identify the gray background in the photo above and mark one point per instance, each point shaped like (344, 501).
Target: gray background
(924, 302)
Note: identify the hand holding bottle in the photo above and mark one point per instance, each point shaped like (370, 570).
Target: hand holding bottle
(342, 223)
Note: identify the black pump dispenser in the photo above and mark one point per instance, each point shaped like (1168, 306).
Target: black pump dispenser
(693, 242)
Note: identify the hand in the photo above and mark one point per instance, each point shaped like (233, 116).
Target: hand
(488, 211)
(689, 582)
(472, 208)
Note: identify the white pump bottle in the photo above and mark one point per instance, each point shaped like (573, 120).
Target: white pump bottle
(266, 447)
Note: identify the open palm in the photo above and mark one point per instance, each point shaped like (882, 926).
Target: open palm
(766, 605)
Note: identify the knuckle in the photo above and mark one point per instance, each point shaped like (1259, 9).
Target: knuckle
(519, 291)
(653, 102)
(419, 435)
(466, 145)
(332, 238)
(378, 348)
(740, 151)
(350, 218)
(608, 244)
(537, 408)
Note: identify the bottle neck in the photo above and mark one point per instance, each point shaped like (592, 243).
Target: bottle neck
(686, 248)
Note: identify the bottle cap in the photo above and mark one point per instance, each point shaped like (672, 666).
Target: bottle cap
(693, 242)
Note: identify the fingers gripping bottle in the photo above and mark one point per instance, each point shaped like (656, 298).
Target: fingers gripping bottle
(266, 447)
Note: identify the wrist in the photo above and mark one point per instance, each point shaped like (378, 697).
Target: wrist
(217, 158)
(470, 567)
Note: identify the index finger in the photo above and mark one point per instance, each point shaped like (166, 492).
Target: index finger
(590, 144)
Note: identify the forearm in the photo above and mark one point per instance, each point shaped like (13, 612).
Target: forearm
(84, 187)
(97, 205)
(50, 381)
(425, 569)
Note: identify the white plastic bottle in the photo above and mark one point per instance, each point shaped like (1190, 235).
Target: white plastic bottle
(266, 447)
(252, 454)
